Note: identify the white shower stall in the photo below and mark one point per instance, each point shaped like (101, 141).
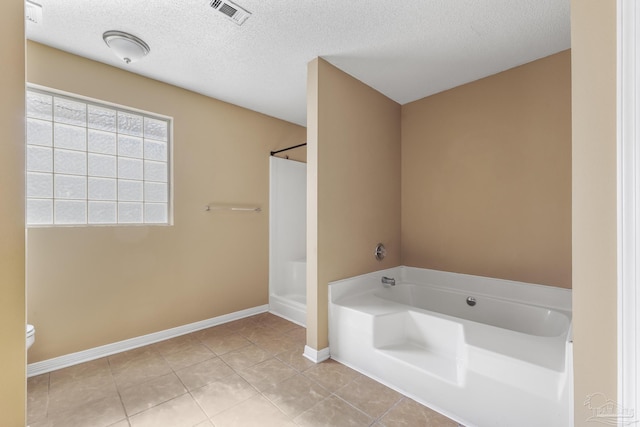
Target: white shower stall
(288, 239)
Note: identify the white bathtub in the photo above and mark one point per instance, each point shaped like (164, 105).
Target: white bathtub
(504, 361)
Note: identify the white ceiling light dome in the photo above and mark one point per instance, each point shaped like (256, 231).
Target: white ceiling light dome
(126, 46)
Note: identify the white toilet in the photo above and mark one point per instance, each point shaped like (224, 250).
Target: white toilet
(31, 335)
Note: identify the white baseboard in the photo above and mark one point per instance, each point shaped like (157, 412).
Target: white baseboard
(316, 356)
(67, 360)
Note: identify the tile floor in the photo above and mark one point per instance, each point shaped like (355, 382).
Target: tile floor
(250, 372)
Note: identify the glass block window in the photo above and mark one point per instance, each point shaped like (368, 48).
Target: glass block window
(90, 163)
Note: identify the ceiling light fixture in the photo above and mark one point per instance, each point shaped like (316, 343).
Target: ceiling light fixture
(127, 47)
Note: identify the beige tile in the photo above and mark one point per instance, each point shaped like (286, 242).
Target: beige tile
(245, 357)
(37, 406)
(174, 345)
(121, 361)
(298, 334)
(256, 411)
(253, 318)
(296, 395)
(39, 383)
(213, 333)
(276, 344)
(242, 324)
(276, 322)
(187, 357)
(292, 386)
(295, 359)
(144, 396)
(226, 343)
(223, 394)
(37, 398)
(67, 394)
(260, 318)
(140, 369)
(334, 412)
(37, 411)
(182, 411)
(99, 413)
(369, 396)
(408, 413)
(256, 331)
(98, 367)
(331, 374)
(267, 373)
(203, 373)
(77, 386)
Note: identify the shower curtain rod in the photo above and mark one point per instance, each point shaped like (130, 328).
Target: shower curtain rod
(287, 149)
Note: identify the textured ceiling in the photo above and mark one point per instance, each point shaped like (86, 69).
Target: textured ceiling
(405, 49)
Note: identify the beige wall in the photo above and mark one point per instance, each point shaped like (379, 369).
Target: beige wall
(486, 176)
(593, 35)
(354, 182)
(89, 286)
(12, 253)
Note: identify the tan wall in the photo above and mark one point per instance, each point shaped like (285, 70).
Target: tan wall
(486, 176)
(12, 252)
(354, 137)
(593, 35)
(89, 286)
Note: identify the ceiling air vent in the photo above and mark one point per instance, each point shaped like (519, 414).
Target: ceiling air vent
(33, 12)
(231, 10)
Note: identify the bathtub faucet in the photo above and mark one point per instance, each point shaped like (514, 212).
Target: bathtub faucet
(388, 281)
